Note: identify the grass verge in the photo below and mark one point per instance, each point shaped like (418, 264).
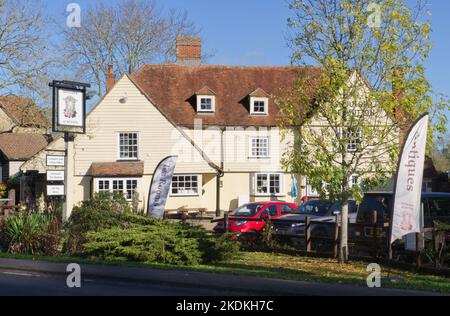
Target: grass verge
(288, 267)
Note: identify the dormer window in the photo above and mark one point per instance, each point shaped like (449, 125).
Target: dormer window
(206, 100)
(258, 106)
(206, 104)
(259, 102)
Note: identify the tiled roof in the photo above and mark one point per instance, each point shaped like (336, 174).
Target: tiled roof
(119, 168)
(205, 91)
(24, 111)
(173, 87)
(259, 93)
(21, 146)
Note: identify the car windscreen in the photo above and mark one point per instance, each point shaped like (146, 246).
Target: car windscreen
(439, 206)
(319, 208)
(371, 203)
(247, 210)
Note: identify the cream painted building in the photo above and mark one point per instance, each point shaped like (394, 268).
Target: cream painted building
(221, 122)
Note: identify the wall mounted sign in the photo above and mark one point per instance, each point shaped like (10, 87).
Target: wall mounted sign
(55, 190)
(56, 161)
(69, 106)
(54, 175)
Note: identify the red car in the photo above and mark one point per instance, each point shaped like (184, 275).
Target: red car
(256, 213)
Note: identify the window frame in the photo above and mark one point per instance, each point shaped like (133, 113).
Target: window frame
(259, 99)
(250, 147)
(199, 103)
(199, 184)
(352, 144)
(110, 181)
(119, 158)
(350, 180)
(268, 194)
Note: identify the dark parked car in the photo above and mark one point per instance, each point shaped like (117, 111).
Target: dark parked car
(318, 211)
(436, 208)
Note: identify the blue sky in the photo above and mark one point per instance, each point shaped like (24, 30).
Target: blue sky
(253, 32)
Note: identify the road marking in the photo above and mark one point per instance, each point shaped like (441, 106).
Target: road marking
(21, 274)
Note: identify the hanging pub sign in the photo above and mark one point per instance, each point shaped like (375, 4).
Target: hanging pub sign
(69, 106)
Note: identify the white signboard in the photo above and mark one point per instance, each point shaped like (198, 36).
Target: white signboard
(55, 161)
(55, 175)
(55, 190)
(408, 188)
(70, 108)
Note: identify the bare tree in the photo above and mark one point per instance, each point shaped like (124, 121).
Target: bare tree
(126, 36)
(23, 46)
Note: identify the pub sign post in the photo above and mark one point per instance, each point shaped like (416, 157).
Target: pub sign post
(68, 117)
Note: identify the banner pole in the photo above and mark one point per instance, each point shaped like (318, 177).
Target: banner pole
(391, 219)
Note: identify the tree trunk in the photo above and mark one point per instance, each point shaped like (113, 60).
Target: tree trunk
(343, 248)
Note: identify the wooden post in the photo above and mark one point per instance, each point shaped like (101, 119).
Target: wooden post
(12, 197)
(225, 217)
(308, 234)
(375, 232)
(418, 261)
(336, 236)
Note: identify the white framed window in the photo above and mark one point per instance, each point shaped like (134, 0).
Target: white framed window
(206, 103)
(102, 185)
(126, 186)
(353, 138)
(128, 145)
(185, 185)
(268, 184)
(427, 185)
(259, 106)
(259, 147)
(354, 181)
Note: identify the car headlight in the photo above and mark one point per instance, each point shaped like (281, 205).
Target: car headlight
(240, 223)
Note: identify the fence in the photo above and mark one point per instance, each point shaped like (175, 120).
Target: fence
(372, 237)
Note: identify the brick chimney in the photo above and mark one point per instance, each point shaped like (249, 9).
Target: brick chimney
(189, 50)
(110, 78)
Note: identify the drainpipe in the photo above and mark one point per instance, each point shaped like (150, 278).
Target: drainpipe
(220, 173)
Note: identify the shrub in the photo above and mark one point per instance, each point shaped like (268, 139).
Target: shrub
(3, 190)
(103, 210)
(219, 248)
(144, 244)
(107, 228)
(23, 232)
(160, 242)
(51, 237)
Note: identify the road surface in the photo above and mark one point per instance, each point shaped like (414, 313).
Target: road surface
(20, 283)
(36, 277)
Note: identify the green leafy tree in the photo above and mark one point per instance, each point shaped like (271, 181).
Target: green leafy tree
(370, 85)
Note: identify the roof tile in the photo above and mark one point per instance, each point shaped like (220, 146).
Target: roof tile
(24, 111)
(16, 146)
(119, 168)
(172, 88)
